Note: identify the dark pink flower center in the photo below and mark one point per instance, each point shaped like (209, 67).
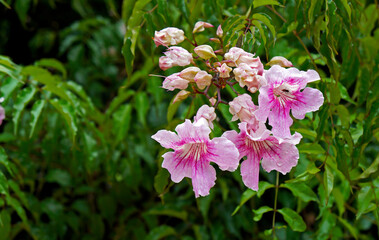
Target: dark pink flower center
(285, 93)
(194, 151)
(261, 148)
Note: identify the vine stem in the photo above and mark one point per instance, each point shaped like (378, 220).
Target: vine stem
(275, 203)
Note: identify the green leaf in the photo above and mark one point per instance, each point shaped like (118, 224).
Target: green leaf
(121, 121)
(36, 112)
(59, 176)
(160, 232)
(328, 181)
(260, 211)
(372, 169)
(22, 7)
(9, 7)
(246, 196)
(20, 194)
(5, 225)
(261, 31)
(15, 204)
(51, 82)
(132, 13)
(166, 211)
(118, 100)
(68, 114)
(301, 190)
(263, 186)
(128, 56)
(259, 3)
(347, 225)
(142, 106)
(23, 98)
(172, 109)
(266, 21)
(52, 63)
(344, 115)
(335, 95)
(161, 180)
(365, 196)
(4, 160)
(347, 7)
(311, 10)
(311, 148)
(8, 87)
(340, 201)
(294, 220)
(344, 94)
(3, 184)
(342, 158)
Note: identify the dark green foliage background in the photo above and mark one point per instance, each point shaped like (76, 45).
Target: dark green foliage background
(76, 157)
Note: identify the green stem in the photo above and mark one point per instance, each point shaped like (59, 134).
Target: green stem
(275, 203)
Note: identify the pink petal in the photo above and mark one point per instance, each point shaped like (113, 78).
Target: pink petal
(203, 178)
(167, 139)
(250, 171)
(274, 74)
(2, 114)
(309, 100)
(223, 152)
(178, 167)
(238, 140)
(312, 76)
(264, 104)
(188, 131)
(280, 121)
(283, 158)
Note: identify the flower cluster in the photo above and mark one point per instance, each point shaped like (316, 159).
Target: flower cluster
(281, 88)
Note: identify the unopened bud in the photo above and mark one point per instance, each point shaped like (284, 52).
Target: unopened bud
(205, 52)
(189, 73)
(168, 36)
(174, 81)
(181, 96)
(203, 79)
(219, 32)
(281, 61)
(199, 26)
(213, 101)
(216, 40)
(224, 71)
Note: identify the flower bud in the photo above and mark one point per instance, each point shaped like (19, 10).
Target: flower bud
(199, 26)
(168, 36)
(281, 61)
(189, 73)
(213, 101)
(224, 71)
(165, 63)
(219, 32)
(206, 112)
(216, 40)
(183, 94)
(205, 52)
(174, 81)
(175, 56)
(242, 108)
(247, 76)
(203, 79)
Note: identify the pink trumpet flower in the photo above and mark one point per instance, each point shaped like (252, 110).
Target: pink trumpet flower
(282, 94)
(193, 152)
(258, 144)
